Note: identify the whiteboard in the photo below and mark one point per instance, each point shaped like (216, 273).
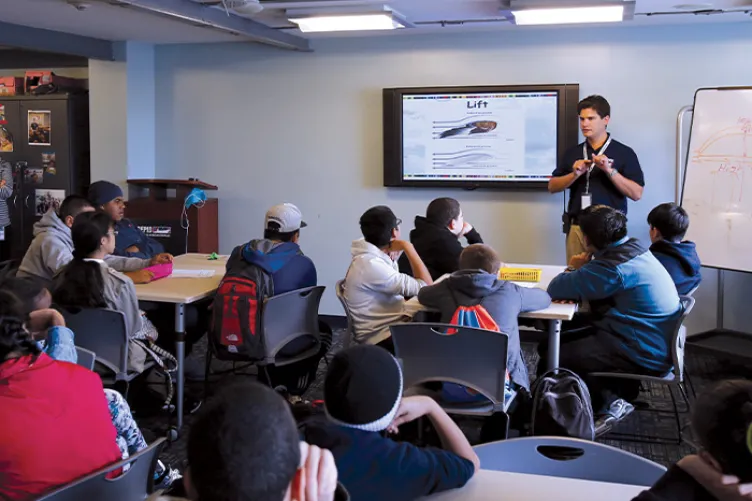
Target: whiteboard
(717, 191)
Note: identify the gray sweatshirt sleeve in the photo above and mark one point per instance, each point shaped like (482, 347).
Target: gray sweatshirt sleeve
(127, 302)
(54, 257)
(124, 264)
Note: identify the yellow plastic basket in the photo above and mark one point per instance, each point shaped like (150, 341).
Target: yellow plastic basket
(520, 274)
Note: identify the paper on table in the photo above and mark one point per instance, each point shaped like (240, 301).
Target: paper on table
(529, 285)
(192, 273)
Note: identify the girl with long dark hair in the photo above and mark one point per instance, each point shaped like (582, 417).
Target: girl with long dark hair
(87, 281)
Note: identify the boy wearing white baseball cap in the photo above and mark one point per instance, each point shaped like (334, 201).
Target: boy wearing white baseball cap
(278, 253)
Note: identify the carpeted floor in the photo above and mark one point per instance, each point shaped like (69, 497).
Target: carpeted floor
(702, 367)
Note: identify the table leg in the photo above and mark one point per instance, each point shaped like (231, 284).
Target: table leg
(180, 355)
(554, 342)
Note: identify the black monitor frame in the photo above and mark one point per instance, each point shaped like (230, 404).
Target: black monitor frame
(567, 132)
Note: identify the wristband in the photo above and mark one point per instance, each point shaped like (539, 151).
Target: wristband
(613, 172)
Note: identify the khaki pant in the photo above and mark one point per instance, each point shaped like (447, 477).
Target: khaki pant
(575, 242)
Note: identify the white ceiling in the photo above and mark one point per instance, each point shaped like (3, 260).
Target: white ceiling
(102, 20)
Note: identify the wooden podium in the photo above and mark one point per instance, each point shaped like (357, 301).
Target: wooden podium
(160, 215)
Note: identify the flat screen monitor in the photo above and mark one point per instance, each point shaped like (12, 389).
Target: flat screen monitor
(496, 137)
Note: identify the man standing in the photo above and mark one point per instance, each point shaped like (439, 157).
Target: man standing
(599, 171)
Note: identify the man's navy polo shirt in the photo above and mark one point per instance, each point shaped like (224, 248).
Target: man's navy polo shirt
(602, 188)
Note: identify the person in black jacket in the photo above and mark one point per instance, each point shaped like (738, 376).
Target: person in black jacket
(668, 225)
(722, 421)
(436, 237)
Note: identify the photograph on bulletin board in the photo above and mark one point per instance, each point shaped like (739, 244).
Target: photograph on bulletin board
(40, 128)
(6, 140)
(48, 162)
(33, 175)
(48, 199)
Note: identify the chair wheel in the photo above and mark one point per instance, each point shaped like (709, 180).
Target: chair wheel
(172, 434)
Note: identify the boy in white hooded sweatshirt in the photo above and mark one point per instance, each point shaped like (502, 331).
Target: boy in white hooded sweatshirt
(375, 290)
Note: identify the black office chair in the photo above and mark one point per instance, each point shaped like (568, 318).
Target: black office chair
(292, 317)
(103, 332)
(135, 484)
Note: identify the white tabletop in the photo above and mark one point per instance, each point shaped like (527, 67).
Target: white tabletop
(497, 485)
(553, 312)
(185, 290)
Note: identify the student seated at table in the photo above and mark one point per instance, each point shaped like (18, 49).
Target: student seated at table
(436, 237)
(375, 290)
(52, 246)
(279, 255)
(88, 282)
(634, 309)
(54, 423)
(362, 399)
(57, 341)
(130, 241)
(244, 445)
(477, 283)
(722, 425)
(668, 225)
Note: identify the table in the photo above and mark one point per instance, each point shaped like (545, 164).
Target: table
(495, 485)
(182, 291)
(555, 314)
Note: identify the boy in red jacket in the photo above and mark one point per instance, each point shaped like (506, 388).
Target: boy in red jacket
(54, 422)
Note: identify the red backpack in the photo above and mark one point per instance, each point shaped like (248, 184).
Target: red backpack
(470, 316)
(237, 306)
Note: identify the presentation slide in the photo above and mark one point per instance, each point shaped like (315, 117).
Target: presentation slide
(480, 137)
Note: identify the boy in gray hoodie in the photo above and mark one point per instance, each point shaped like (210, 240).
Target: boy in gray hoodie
(52, 247)
(477, 283)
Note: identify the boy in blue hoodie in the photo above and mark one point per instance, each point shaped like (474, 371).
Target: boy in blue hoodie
(634, 307)
(278, 253)
(668, 225)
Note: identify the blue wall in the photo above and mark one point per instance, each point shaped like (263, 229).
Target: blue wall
(270, 126)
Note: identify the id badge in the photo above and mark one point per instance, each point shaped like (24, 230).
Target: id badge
(586, 201)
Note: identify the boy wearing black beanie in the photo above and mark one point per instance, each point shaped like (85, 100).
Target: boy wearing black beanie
(362, 398)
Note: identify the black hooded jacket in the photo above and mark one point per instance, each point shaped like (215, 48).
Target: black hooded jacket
(438, 247)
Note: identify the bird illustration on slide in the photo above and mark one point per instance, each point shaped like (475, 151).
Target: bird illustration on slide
(477, 127)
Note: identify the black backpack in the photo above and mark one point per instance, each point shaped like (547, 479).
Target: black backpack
(562, 406)
(237, 305)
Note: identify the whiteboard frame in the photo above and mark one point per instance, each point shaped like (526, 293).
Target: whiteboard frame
(686, 159)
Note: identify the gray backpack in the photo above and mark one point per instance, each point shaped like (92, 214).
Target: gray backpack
(562, 406)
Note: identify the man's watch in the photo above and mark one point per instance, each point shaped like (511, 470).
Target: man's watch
(570, 268)
(613, 172)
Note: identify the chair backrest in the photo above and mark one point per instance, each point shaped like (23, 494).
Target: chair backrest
(8, 268)
(85, 358)
(290, 316)
(680, 337)
(135, 484)
(340, 289)
(569, 458)
(692, 292)
(476, 358)
(103, 332)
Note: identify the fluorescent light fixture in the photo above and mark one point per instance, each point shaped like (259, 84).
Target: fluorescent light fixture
(347, 22)
(570, 15)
